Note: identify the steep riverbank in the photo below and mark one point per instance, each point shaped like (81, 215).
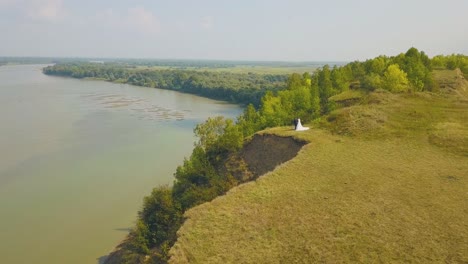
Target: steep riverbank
(259, 155)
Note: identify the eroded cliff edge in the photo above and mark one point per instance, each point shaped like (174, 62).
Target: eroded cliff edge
(260, 154)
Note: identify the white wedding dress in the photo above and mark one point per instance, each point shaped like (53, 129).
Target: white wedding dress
(299, 126)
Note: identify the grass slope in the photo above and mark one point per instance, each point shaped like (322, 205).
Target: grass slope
(381, 182)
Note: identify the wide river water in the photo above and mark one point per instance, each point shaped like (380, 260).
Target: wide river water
(78, 156)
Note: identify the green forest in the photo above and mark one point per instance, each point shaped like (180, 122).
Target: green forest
(203, 176)
(233, 87)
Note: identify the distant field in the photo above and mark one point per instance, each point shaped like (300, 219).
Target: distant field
(259, 67)
(381, 182)
(242, 69)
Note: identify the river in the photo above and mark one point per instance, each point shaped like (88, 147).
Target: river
(78, 156)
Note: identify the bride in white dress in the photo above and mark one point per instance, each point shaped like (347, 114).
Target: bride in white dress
(299, 126)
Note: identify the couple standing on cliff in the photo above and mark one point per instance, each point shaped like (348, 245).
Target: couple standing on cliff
(298, 126)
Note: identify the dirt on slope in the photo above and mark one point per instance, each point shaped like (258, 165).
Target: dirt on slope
(452, 81)
(259, 155)
(264, 152)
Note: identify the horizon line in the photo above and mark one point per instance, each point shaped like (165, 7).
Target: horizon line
(168, 59)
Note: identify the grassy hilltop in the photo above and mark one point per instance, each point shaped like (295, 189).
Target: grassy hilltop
(384, 180)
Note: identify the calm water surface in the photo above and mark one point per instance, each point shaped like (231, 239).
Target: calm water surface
(78, 156)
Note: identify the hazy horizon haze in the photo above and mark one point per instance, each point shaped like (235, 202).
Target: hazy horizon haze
(259, 30)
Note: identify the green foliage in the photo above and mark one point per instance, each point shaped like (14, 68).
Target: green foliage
(218, 135)
(306, 79)
(209, 132)
(156, 227)
(394, 79)
(451, 62)
(377, 65)
(161, 215)
(338, 79)
(294, 80)
(315, 96)
(162, 255)
(249, 121)
(308, 97)
(415, 64)
(271, 111)
(430, 84)
(371, 82)
(357, 69)
(198, 180)
(325, 84)
(231, 140)
(300, 100)
(192, 177)
(418, 69)
(139, 238)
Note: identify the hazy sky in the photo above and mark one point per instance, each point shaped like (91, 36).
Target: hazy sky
(300, 30)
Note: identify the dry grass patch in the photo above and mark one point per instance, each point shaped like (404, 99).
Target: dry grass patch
(357, 120)
(452, 81)
(450, 135)
(347, 98)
